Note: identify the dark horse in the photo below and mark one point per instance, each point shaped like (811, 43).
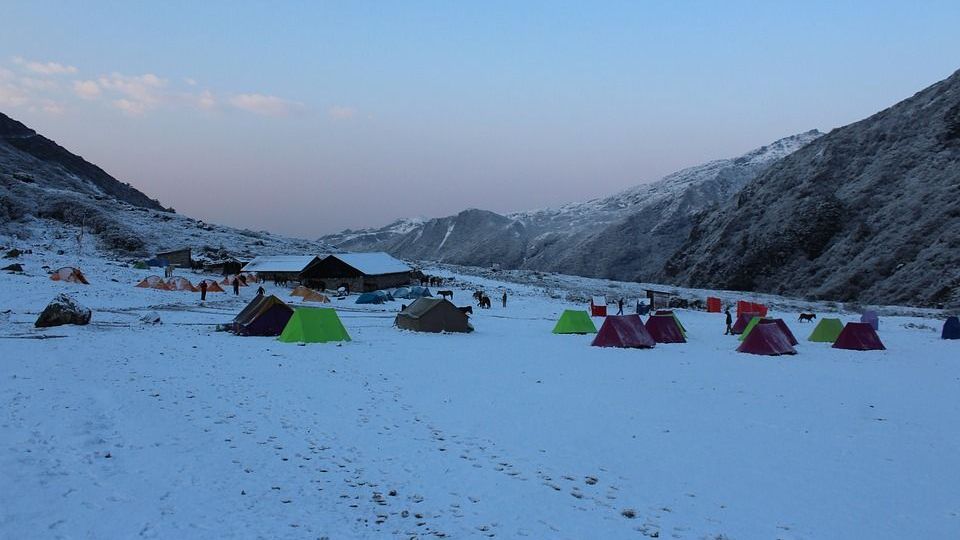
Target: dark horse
(444, 294)
(807, 317)
(466, 309)
(484, 302)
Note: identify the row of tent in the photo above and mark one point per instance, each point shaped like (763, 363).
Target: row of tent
(379, 297)
(270, 316)
(177, 283)
(624, 330)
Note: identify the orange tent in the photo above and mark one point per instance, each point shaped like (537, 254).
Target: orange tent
(180, 284)
(300, 290)
(71, 274)
(152, 282)
(229, 281)
(314, 296)
(212, 286)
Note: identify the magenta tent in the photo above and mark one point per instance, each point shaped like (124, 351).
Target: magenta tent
(625, 331)
(767, 339)
(664, 329)
(858, 336)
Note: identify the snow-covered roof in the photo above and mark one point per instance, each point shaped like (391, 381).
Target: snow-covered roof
(599, 301)
(373, 264)
(280, 263)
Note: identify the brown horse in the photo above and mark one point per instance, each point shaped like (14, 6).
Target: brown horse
(807, 317)
(444, 294)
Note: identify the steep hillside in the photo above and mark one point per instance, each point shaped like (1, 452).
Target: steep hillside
(625, 236)
(868, 212)
(44, 187)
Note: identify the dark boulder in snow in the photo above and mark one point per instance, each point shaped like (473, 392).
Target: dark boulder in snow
(63, 310)
(16, 267)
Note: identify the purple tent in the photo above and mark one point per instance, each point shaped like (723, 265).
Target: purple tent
(871, 318)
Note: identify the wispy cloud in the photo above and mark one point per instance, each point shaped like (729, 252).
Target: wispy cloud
(133, 95)
(339, 112)
(263, 104)
(45, 68)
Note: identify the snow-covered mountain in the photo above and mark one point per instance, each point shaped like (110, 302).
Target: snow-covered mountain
(625, 236)
(43, 186)
(868, 212)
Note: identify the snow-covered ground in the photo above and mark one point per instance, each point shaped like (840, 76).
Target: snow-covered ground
(118, 430)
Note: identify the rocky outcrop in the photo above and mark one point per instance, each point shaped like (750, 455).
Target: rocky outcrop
(63, 310)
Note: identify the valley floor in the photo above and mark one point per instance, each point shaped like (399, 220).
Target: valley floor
(119, 430)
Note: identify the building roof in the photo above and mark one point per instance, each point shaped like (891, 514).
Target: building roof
(373, 264)
(280, 263)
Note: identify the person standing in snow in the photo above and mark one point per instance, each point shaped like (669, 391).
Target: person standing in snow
(203, 290)
(236, 286)
(504, 299)
(261, 291)
(620, 307)
(729, 322)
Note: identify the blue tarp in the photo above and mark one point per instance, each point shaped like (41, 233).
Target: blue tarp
(370, 298)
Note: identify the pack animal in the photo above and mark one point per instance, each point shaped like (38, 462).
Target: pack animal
(484, 302)
(444, 294)
(807, 317)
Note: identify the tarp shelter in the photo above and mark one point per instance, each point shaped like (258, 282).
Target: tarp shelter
(871, 318)
(212, 286)
(665, 329)
(402, 292)
(418, 292)
(301, 291)
(766, 338)
(180, 283)
(743, 320)
(751, 307)
(314, 325)
(859, 337)
(827, 331)
(574, 321)
(754, 322)
(263, 316)
(152, 282)
(156, 262)
(70, 274)
(951, 329)
(314, 296)
(623, 331)
(433, 315)
(598, 306)
(713, 305)
(370, 298)
(384, 294)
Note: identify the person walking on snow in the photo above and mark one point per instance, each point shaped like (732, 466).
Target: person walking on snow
(203, 290)
(236, 286)
(504, 298)
(261, 291)
(620, 307)
(729, 322)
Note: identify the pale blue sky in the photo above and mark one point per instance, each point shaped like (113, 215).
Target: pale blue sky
(309, 117)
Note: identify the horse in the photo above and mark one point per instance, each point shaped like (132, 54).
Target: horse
(425, 281)
(467, 310)
(477, 295)
(485, 302)
(436, 281)
(807, 317)
(444, 294)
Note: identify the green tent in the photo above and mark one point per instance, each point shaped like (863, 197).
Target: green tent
(314, 325)
(140, 265)
(746, 331)
(574, 322)
(827, 331)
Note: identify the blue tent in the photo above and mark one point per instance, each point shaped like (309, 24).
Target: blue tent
(951, 329)
(370, 298)
(384, 294)
(418, 292)
(402, 292)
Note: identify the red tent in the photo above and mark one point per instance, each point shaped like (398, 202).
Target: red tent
(743, 319)
(858, 337)
(750, 307)
(713, 305)
(783, 328)
(767, 339)
(623, 331)
(664, 329)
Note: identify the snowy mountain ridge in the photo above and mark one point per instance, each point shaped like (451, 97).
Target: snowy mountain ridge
(583, 238)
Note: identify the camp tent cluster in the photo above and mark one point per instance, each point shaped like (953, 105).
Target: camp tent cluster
(177, 283)
(270, 316)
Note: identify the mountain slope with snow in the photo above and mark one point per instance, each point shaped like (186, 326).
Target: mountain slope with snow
(44, 186)
(868, 212)
(624, 236)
